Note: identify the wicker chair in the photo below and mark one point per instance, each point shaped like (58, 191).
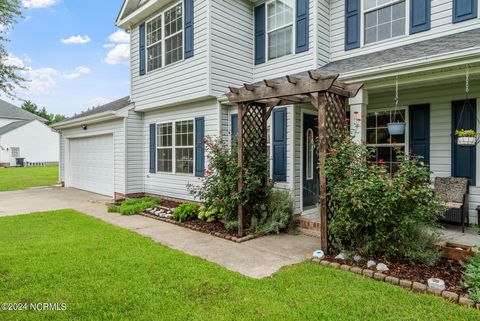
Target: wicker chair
(454, 192)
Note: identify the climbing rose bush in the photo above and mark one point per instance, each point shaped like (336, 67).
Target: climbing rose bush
(375, 213)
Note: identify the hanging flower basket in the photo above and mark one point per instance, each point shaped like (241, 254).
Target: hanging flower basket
(467, 138)
(396, 128)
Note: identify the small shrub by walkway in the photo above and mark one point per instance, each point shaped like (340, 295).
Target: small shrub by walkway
(104, 272)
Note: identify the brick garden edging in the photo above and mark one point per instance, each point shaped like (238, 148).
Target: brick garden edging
(407, 284)
(194, 228)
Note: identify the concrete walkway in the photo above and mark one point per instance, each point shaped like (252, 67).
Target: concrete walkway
(257, 258)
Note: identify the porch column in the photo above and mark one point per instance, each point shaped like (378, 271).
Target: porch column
(358, 108)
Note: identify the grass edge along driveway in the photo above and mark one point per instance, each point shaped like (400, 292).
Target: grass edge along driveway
(105, 272)
(18, 178)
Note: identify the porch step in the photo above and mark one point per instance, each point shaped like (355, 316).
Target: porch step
(308, 226)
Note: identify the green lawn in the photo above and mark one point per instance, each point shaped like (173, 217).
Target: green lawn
(107, 273)
(17, 178)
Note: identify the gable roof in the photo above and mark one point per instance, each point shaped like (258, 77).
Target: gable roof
(427, 48)
(111, 106)
(9, 127)
(11, 111)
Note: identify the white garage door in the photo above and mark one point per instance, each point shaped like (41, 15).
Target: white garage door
(91, 164)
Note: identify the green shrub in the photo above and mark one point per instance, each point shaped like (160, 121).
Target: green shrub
(471, 278)
(134, 205)
(210, 214)
(278, 217)
(375, 213)
(185, 212)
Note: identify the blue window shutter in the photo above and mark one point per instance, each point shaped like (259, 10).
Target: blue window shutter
(189, 29)
(234, 125)
(464, 10)
(141, 31)
(260, 34)
(302, 21)
(419, 124)
(419, 15)
(352, 24)
(279, 144)
(199, 146)
(153, 148)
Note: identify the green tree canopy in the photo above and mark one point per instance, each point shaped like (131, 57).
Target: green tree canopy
(33, 108)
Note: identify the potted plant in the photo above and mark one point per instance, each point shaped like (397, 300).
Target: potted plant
(466, 137)
(397, 128)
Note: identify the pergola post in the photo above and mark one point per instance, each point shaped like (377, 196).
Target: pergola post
(319, 101)
(240, 214)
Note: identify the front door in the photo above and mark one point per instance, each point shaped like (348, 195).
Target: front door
(464, 116)
(311, 185)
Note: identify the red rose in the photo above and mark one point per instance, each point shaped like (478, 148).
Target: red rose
(218, 199)
(381, 161)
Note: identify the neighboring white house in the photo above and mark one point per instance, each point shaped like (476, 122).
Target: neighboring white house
(25, 135)
(185, 54)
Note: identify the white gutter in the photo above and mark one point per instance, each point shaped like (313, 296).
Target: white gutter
(93, 119)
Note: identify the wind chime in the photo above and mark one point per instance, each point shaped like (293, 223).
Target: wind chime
(396, 126)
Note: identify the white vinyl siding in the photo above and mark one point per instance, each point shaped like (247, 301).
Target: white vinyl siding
(179, 82)
(441, 25)
(175, 184)
(134, 153)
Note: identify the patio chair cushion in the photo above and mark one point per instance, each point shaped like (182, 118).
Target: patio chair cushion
(453, 205)
(451, 189)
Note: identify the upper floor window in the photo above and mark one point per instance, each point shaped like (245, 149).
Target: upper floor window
(383, 19)
(280, 28)
(164, 35)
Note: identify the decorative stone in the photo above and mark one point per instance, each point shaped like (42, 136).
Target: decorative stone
(169, 212)
(169, 216)
(162, 211)
(324, 262)
(379, 276)
(158, 213)
(335, 264)
(149, 209)
(450, 296)
(382, 267)
(406, 283)
(345, 267)
(368, 273)
(435, 283)
(435, 291)
(356, 269)
(341, 256)
(466, 301)
(371, 263)
(357, 258)
(477, 306)
(419, 287)
(392, 280)
(319, 254)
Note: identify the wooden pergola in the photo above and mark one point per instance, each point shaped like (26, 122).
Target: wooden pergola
(255, 104)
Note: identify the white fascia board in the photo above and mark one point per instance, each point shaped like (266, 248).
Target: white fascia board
(141, 13)
(462, 57)
(92, 119)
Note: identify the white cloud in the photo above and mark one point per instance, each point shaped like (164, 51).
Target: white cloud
(120, 54)
(76, 40)
(34, 4)
(42, 79)
(99, 101)
(77, 72)
(119, 36)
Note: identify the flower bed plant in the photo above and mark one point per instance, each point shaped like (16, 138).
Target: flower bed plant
(375, 213)
(471, 278)
(134, 205)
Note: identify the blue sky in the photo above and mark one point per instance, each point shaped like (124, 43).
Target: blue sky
(76, 57)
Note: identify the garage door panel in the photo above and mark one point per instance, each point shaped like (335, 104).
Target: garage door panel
(91, 164)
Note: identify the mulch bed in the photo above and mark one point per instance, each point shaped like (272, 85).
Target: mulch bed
(449, 271)
(213, 227)
(170, 203)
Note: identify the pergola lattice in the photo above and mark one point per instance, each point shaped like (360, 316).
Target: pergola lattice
(255, 104)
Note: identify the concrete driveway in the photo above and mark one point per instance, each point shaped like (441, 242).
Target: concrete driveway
(257, 258)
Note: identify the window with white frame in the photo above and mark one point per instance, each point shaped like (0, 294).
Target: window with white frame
(175, 145)
(280, 28)
(384, 145)
(383, 19)
(15, 152)
(164, 35)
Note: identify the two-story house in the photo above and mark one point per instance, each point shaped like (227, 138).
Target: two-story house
(186, 53)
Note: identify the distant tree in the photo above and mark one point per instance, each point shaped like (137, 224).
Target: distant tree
(33, 108)
(9, 74)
